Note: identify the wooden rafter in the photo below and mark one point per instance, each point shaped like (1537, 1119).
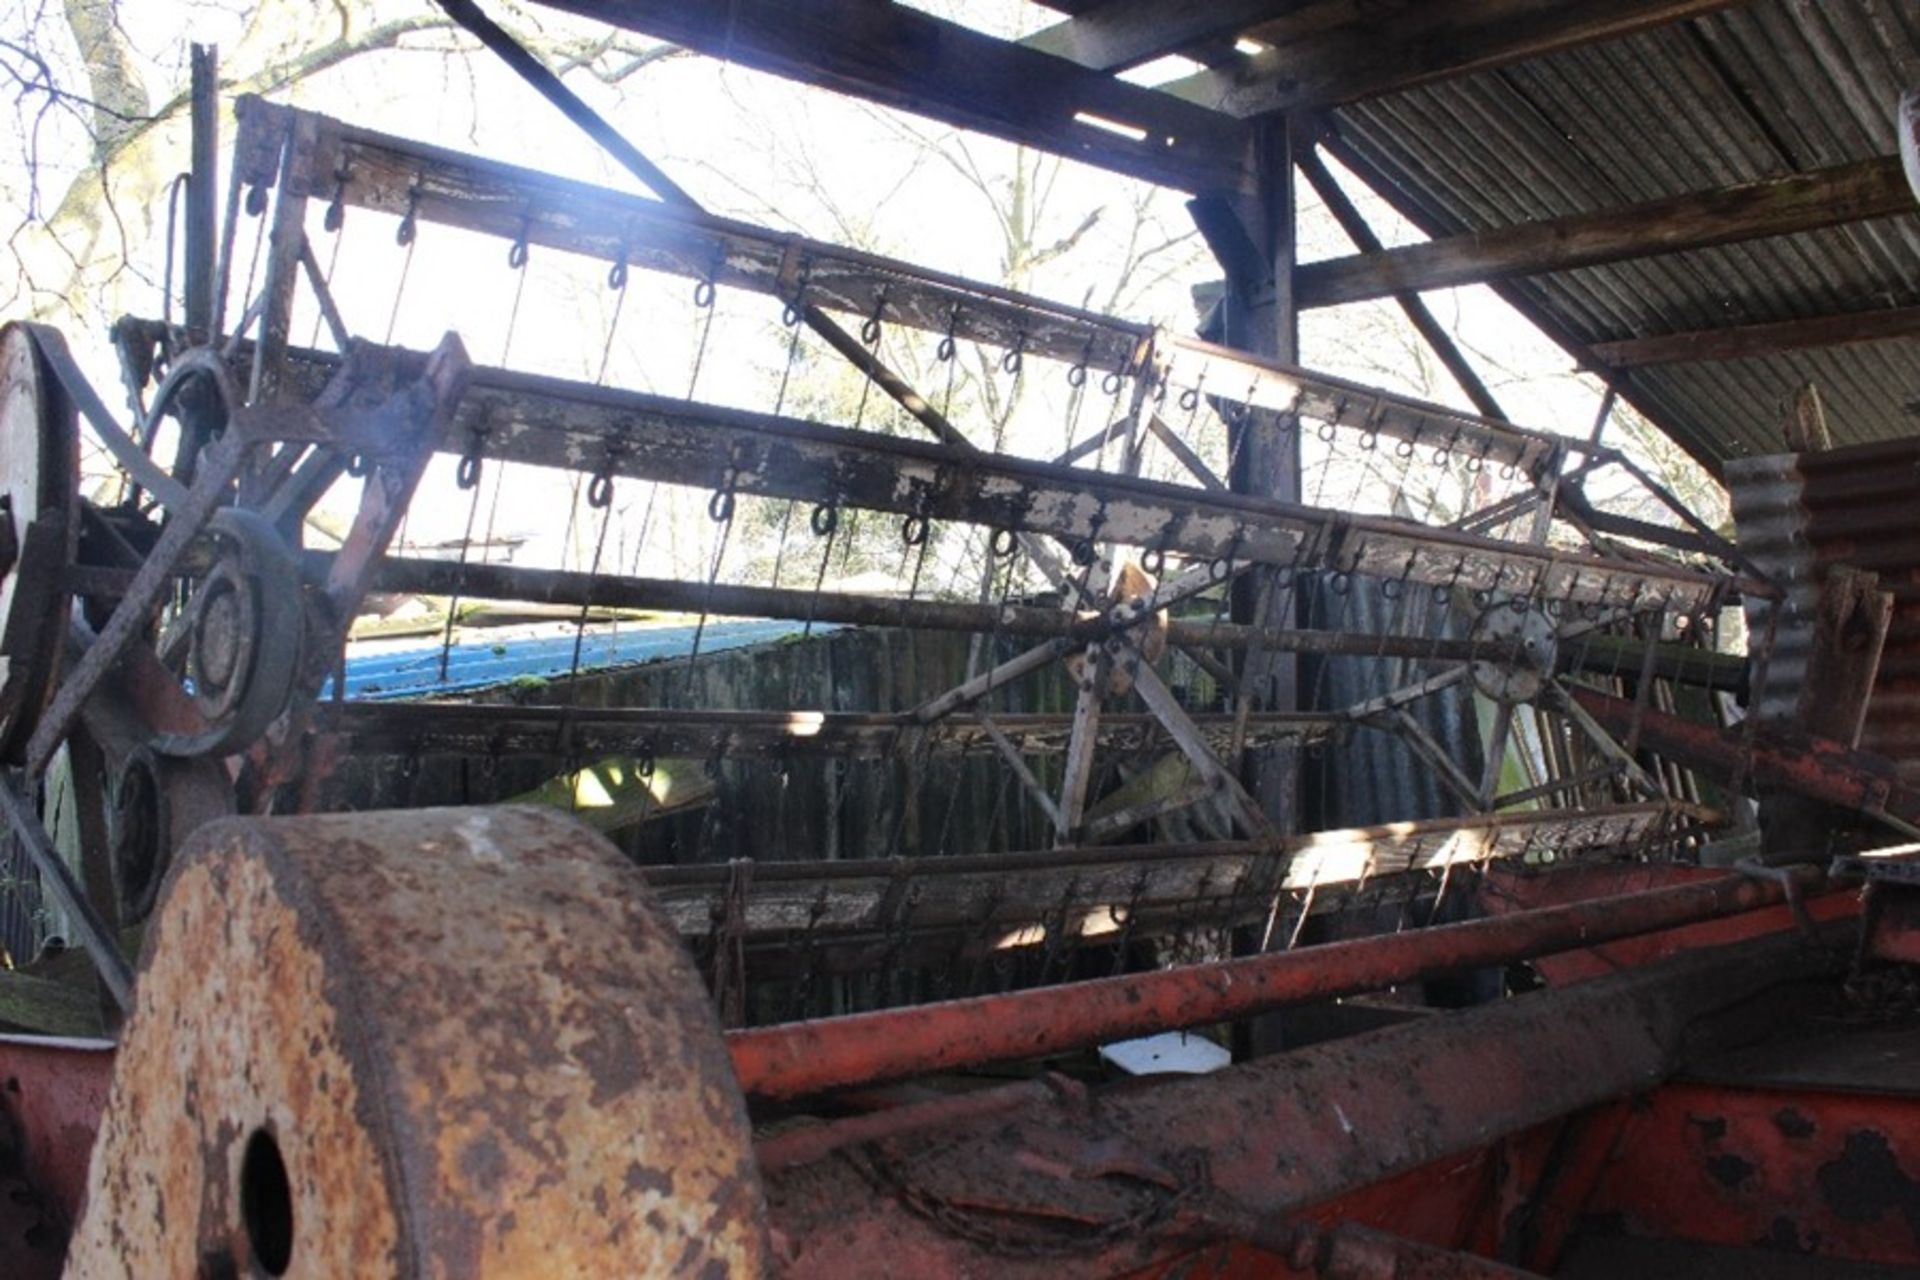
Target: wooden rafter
(1777, 206)
(1747, 341)
(902, 57)
(1125, 33)
(1335, 51)
(1354, 223)
(1622, 382)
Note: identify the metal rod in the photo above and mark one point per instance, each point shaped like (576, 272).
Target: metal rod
(1016, 762)
(1817, 767)
(220, 464)
(329, 311)
(424, 576)
(1605, 827)
(494, 729)
(535, 73)
(986, 682)
(1355, 224)
(203, 186)
(797, 1059)
(57, 877)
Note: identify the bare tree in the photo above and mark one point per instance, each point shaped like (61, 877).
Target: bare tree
(101, 123)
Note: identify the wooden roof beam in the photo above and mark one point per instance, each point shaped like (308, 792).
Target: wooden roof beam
(1748, 341)
(1621, 382)
(1333, 51)
(904, 58)
(1777, 206)
(1125, 33)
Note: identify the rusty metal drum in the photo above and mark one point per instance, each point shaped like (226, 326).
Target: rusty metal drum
(436, 1043)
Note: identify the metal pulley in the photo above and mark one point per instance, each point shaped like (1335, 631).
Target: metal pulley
(430, 1043)
(243, 629)
(1524, 639)
(154, 805)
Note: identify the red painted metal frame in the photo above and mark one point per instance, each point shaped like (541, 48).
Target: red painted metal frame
(1816, 767)
(797, 1059)
(1809, 1172)
(1505, 890)
(1139, 1173)
(1804, 1171)
(1894, 933)
(52, 1093)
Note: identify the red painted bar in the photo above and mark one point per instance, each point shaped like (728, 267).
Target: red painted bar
(795, 1059)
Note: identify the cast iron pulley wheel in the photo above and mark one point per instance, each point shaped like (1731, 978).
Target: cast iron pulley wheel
(243, 626)
(1528, 639)
(537, 1086)
(156, 803)
(39, 525)
(198, 390)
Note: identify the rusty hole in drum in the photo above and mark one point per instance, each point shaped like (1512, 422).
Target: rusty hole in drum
(266, 1203)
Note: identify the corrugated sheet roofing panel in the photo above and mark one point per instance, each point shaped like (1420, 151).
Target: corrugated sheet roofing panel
(1756, 91)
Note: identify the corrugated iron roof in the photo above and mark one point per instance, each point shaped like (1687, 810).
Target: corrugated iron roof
(1756, 91)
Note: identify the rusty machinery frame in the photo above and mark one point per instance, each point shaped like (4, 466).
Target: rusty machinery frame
(305, 418)
(1061, 1182)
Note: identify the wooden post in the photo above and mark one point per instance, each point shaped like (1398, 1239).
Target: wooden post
(1261, 317)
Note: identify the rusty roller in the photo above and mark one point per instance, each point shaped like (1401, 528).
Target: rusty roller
(445, 1042)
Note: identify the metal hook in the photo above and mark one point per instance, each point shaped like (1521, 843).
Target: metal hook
(825, 519)
(600, 490)
(870, 329)
(336, 216)
(409, 226)
(1016, 356)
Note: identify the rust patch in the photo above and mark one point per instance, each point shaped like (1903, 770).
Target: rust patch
(1793, 1124)
(1712, 1128)
(1865, 1182)
(1730, 1171)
